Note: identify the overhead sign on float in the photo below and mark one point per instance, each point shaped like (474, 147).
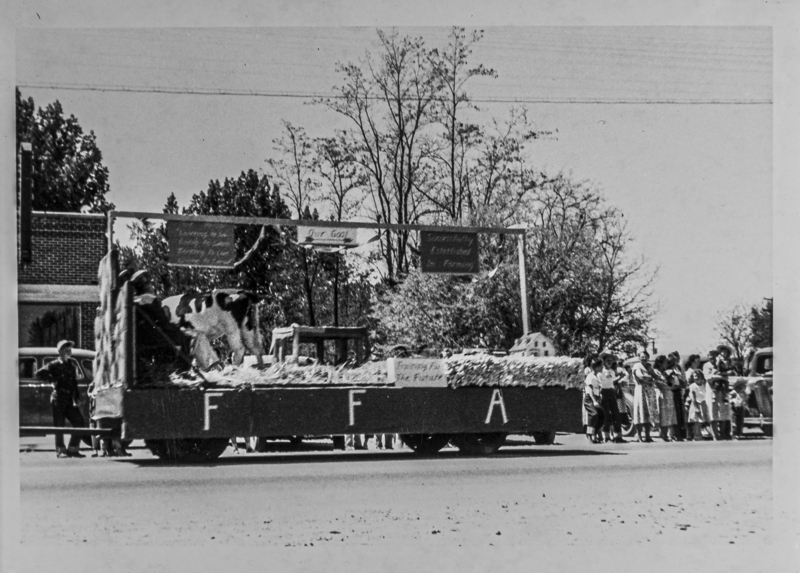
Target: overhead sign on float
(449, 253)
(416, 372)
(327, 236)
(200, 244)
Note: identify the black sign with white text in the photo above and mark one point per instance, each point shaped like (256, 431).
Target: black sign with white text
(449, 253)
(194, 243)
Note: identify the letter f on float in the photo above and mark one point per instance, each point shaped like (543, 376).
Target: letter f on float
(353, 404)
(208, 408)
(497, 400)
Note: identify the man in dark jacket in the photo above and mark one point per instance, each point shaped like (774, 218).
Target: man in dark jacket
(65, 397)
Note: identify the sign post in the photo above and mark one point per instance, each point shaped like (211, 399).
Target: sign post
(523, 285)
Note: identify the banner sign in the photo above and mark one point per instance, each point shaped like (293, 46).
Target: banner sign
(449, 253)
(195, 243)
(326, 236)
(416, 372)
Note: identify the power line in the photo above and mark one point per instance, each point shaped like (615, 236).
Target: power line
(272, 94)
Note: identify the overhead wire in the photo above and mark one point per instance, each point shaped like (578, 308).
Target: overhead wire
(310, 96)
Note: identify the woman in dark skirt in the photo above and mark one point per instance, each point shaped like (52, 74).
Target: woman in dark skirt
(679, 386)
(609, 386)
(591, 403)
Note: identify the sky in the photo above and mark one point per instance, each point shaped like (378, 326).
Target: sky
(693, 179)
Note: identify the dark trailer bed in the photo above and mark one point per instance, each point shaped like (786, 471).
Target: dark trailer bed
(168, 414)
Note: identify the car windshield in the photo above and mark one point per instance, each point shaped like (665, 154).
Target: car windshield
(88, 367)
(764, 364)
(27, 367)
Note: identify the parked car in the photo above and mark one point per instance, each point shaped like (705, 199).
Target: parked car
(34, 394)
(753, 393)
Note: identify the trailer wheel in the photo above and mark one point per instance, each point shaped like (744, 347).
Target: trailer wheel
(191, 450)
(425, 444)
(544, 438)
(479, 444)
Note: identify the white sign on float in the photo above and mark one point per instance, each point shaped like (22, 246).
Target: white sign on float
(417, 372)
(326, 236)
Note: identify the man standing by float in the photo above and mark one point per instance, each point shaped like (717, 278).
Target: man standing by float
(64, 399)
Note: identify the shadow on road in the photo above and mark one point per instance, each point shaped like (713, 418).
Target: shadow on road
(324, 453)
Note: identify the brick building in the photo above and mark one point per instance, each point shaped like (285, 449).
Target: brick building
(57, 291)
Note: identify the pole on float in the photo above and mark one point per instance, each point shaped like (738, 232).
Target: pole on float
(523, 279)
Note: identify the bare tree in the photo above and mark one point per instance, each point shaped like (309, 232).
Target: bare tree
(459, 138)
(343, 179)
(294, 168)
(624, 287)
(733, 328)
(388, 100)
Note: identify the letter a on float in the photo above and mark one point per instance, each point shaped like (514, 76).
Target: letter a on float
(497, 400)
(209, 407)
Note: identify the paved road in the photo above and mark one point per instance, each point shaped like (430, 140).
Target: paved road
(702, 499)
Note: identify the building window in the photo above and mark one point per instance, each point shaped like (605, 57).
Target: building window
(546, 353)
(46, 324)
(536, 344)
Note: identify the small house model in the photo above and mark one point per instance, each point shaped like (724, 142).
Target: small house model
(534, 344)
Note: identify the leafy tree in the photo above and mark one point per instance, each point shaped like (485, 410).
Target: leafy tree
(68, 173)
(761, 325)
(585, 291)
(271, 269)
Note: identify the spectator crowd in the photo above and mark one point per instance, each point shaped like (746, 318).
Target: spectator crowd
(680, 401)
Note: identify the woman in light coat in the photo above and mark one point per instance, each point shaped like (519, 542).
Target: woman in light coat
(667, 418)
(645, 401)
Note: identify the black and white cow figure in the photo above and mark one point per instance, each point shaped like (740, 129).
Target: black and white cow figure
(208, 316)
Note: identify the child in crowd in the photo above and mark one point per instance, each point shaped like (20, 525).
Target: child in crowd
(696, 398)
(591, 402)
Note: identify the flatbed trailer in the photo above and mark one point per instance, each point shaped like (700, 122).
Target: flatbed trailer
(196, 423)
